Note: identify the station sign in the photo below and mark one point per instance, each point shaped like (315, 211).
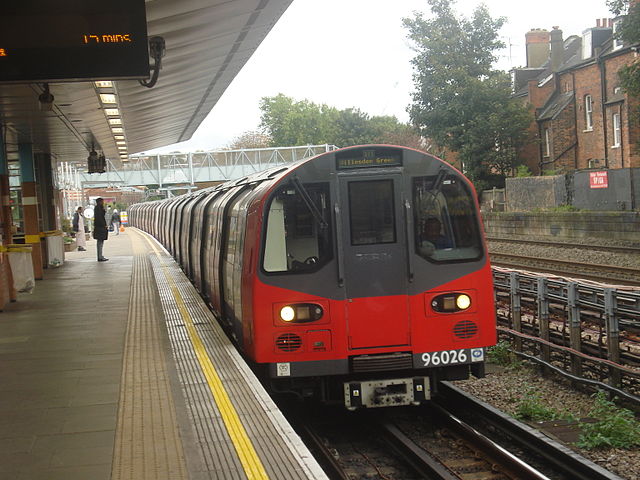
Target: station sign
(598, 180)
(44, 40)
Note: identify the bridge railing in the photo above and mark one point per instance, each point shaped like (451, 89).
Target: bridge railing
(195, 167)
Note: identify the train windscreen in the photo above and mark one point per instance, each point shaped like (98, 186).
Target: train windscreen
(372, 212)
(446, 226)
(298, 233)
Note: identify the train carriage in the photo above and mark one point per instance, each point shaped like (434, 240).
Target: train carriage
(359, 275)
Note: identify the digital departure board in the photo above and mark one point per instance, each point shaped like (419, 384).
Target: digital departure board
(369, 157)
(47, 40)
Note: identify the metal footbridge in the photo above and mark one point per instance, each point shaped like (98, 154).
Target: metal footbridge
(168, 171)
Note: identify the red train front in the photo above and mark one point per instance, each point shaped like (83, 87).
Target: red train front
(360, 275)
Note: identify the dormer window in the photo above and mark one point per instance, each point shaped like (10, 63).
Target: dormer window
(617, 42)
(588, 112)
(586, 44)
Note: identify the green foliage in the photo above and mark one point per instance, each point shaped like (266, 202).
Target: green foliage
(289, 122)
(295, 123)
(615, 427)
(523, 171)
(629, 33)
(460, 101)
(530, 407)
(564, 208)
(65, 224)
(501, 354)
(250, 139)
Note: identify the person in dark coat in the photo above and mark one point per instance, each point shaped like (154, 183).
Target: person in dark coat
(100, 230)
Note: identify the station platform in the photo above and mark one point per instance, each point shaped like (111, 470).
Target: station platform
(117, 370)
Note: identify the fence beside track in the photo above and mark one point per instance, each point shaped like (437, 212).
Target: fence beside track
(591, 330)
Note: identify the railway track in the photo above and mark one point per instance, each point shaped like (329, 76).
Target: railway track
(605, 248)
(541, 452)
(587, 271)
(454, 438)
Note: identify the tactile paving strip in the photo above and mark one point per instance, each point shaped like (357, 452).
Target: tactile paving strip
(147, 444)
(282, 454)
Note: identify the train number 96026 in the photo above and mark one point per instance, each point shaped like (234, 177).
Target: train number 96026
(451, 357)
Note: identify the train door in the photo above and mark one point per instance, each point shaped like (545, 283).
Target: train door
(373, 240)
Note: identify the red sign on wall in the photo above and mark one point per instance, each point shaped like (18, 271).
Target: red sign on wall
(598, 180)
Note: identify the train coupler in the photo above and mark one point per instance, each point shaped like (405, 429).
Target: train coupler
(386, 393)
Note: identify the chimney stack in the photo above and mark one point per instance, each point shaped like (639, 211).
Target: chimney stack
(557, 49)
(537, 42)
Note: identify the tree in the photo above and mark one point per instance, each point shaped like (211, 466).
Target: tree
(629, 33)
(250, 139)
(460, 101)
(290, 122)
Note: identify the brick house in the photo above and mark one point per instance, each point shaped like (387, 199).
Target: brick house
(582, 115)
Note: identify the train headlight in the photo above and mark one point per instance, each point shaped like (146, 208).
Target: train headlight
(287, 313)
(301, 313)
(451, 302)
(463, 301)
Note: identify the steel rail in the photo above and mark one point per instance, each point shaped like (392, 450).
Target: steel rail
(420, 460)
(606, 248)
(321, 453)
(565, 460)
(551, 266)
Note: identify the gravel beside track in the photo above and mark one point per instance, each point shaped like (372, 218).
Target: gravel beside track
(503, 389)
(579, 252)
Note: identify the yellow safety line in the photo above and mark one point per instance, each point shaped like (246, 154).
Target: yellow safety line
(249, 458)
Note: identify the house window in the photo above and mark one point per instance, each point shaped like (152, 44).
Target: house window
(547, 143)
(588, 112)
(617, 42)
(586, 44)
(616, 130)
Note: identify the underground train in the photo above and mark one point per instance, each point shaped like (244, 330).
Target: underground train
(358, 276)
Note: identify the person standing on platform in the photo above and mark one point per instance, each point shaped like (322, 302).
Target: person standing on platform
(115, 221)
(78, 227)
(100, 231)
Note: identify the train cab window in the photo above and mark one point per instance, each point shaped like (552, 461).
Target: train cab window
(371, 211)
(446, 225)
(298, 233)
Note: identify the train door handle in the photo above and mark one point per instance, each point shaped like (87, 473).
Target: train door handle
(408, 225)
(340, 253)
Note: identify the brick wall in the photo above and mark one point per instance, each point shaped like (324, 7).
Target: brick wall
(564, 140)
(568, 226)
(528, 193)
(590, 142)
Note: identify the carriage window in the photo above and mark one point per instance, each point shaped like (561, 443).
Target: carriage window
(446, 226)
(371, 212)
(298, 234)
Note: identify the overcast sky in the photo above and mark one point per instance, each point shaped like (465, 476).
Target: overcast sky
(355, 53)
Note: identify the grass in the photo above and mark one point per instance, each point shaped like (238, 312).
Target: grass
(531, 407)
(502, 354)
(614, 426)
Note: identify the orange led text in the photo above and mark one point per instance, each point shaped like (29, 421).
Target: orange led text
(3, 52)
(117, 38)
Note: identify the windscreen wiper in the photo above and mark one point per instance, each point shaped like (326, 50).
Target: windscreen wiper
(309, 203)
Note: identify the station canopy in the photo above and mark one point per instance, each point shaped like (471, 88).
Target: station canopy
(207, 43)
